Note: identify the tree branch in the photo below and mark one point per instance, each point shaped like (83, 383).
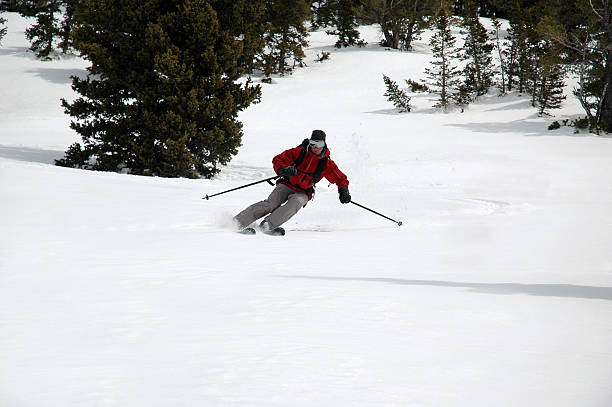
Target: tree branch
(595, 11)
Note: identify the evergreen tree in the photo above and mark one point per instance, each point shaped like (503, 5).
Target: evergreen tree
(509, 55)
(592, 87)
(499, 49)
(246, 20)
(8, 5)
(54, 20)
(545, 84)
(3, 29)
(519, 56)
(395, 95)
(584, 29)
(487, 8)
(523, 41)
(343, 17)
(321, 13)
(383, 13)
(414, 22)
(65, 27)
(478, 72)
(161, 96)
(458, 7)
(444, 76)
(285, 35)
(550, 91)
(401, 21)
(589, 64)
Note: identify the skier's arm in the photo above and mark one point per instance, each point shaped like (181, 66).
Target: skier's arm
(333, 174)
(286, 158)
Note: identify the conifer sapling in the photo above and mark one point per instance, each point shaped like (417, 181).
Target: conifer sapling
(397, 96)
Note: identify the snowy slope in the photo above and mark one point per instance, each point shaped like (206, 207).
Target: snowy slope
(119, 290)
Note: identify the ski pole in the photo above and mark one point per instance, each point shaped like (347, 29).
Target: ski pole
(399, 222)
(244, 186)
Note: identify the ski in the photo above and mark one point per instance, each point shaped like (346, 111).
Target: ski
(276, 232)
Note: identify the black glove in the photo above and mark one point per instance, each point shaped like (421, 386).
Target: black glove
(288, 172)
(345, 197)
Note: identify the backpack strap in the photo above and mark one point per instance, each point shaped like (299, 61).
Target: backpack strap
(316, 177)
(300, 157)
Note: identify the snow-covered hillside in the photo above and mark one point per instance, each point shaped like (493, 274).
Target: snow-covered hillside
(118, 290)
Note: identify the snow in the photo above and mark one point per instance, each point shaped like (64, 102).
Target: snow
(120, 290)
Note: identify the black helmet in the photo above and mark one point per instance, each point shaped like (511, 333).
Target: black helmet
(318, 135)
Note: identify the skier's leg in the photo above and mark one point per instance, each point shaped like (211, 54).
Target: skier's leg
(257, 210)
(282, 214)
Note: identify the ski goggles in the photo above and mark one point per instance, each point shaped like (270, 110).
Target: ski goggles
(317, 143)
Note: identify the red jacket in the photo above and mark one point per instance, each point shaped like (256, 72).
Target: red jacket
(303, 182)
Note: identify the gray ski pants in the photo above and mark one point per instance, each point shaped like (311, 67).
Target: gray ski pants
(277, 214)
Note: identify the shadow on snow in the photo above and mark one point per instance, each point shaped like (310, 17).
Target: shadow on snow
(541, 290)
(34, 155)
(58, 75)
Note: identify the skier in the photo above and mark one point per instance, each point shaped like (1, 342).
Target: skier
(300, 168)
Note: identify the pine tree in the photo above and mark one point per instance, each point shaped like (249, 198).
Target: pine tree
(161, 96)
(545, 84)
(395, 95)
(246, 20)
(584, 29)
(478, 72)
(589, 64)
(383, 13)
(535, 62)
(550, 92)
(444, 77)
(285, 35)
(400, 21)
(523, 41)
(597, 58)
(500, 55)
(3, 29)
(54, 20)
(488, 8)
(343, 17)
(321, 13)
(518, 55)
(65, 27)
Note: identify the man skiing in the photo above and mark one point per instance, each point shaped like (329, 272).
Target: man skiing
(300, 168)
